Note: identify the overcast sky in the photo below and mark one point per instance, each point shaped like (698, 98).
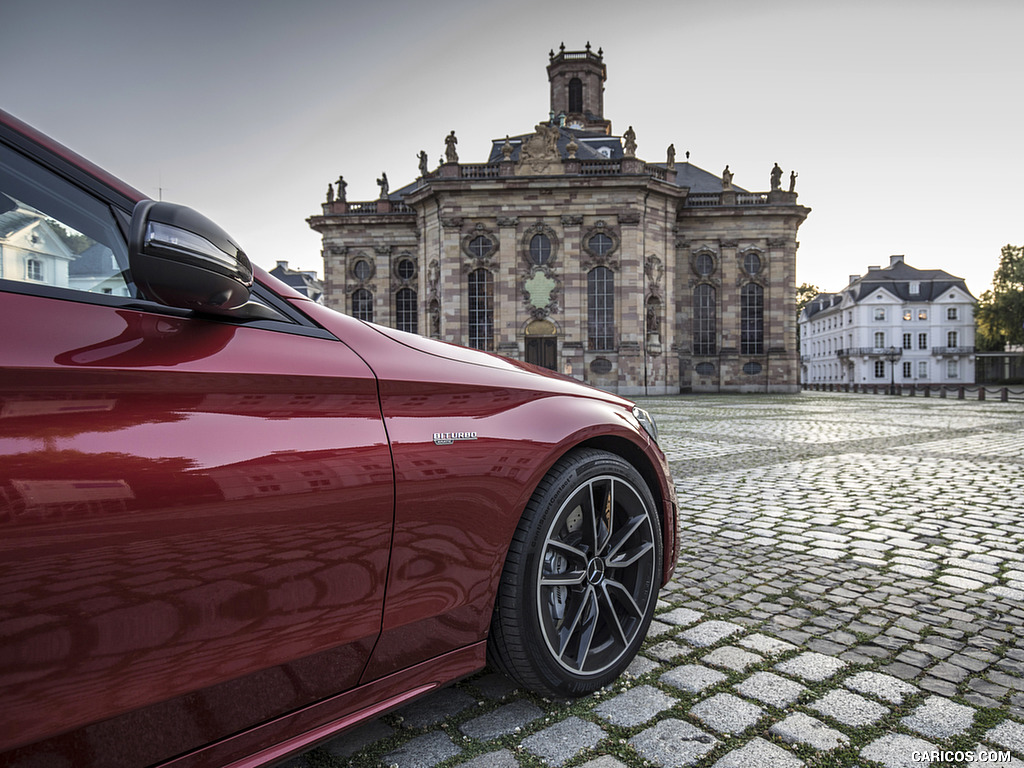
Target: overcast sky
(903, 119)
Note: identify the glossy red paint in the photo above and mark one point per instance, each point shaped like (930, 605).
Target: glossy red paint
(242, 539)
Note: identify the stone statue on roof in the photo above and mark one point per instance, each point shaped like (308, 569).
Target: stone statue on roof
(382, 182)
(671, 163)
(727, 179)
(424, 171)
(776, 178)
(507, 149)
(539, 154)
(451, 156)
(629, 142)
(792, 181)
(342, 185)
(330, 193)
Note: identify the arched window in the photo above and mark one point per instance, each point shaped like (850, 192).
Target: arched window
(704, 320)
(575, 95)
(752, 319)
(540, 249)
(362, 305)
(751, 263)
(600, 309)
(405, 310)
(705, 264)
(481, 310)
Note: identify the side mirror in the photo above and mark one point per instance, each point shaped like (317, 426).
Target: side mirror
(180, 258)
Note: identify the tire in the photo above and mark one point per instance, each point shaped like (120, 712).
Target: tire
(581, 578)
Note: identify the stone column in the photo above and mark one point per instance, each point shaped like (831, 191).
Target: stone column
(629, 305)
(507, 293)
(452, 284)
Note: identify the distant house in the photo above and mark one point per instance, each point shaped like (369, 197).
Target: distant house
(30, 249)
(898, 324)
(304, 281)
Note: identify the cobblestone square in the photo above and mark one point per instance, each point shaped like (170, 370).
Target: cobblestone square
(850, 590)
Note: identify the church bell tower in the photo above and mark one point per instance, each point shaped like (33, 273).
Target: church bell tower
(577, 88)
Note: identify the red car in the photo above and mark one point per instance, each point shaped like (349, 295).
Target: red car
(236, 522)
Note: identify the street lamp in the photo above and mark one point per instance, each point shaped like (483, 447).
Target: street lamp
(892, 354)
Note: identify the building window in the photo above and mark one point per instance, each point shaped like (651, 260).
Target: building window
(908, 315)
(951, 339)
(705, 264)
(915, 288)
(704, 320)
(907, 370)
(879, 339)
(479, 246)
(600, 309)
(752, 319)
(406, 269)
(406, 315)
(362, 270)
(953, 369)
(922, 314)
(481, 310)
(576, 95)
(879, 313)
(600, 244)
(951, 313)
(540, 249)
(751, 263)
(922, 369)
(922, 341)
(908, 341)
(34, 270)
(879, 369)
(362, 305)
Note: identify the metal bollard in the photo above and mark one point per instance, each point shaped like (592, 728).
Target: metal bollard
(1004, 395)
(960, 393)
(981, 393)
(942, 393)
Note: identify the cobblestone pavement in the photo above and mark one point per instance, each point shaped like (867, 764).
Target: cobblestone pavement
(850, 592)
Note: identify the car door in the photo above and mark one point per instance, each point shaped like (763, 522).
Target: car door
(196, 514)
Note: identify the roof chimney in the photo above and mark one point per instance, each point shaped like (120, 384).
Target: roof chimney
(894, 260)
(854, 279)
(874, 269)
(282, 264)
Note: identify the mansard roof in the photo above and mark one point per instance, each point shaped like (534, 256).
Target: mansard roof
(897, 277)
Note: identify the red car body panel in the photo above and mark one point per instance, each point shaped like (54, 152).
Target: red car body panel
(241, 540)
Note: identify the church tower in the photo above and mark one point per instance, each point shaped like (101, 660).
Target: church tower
(577, 88)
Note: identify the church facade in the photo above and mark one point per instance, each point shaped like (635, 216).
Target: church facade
(567, 250)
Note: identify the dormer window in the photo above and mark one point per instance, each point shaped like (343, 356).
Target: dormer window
(606, 152)
(915, 288)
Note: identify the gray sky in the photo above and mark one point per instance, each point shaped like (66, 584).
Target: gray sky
(903, 119)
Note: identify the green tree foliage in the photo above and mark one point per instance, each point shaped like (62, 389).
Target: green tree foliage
(804, 294)
(1000, 311)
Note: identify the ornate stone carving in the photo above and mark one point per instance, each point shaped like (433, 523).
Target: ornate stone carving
(541, 291)
(654, 270)
(451, 222)
(630, 217)
(570, 220)
(729, 243)
(593, 257)
(539, 154)
(477, 253)
(507, 149)
(778, 242)
(540, 228)
(508, 221)
(433, 278)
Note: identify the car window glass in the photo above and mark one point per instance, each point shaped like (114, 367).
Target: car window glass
(54, 234)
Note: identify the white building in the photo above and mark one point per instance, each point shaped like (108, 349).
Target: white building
(899, 324)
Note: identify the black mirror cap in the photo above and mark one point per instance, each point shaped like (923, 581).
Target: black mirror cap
(180, 258)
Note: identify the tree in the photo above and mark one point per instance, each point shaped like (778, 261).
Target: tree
(805, 293)
(1000, 312)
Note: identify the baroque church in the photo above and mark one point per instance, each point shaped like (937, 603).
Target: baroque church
(566, 249)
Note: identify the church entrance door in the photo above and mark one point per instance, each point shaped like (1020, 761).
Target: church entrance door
(543, 351)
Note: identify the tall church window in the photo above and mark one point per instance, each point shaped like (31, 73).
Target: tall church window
(600, 309)
(405, 310)
(576, 95)
(752, 319)
(481, 310)
(362, 305)
(703, 320)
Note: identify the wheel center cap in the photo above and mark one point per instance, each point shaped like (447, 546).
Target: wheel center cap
(595, 571)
